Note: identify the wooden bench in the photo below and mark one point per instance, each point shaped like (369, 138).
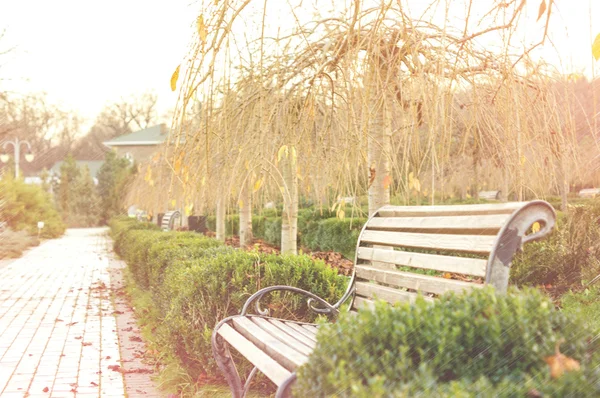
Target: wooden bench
(402, 252)
(490, 195)
(168, 220)
(589, 193)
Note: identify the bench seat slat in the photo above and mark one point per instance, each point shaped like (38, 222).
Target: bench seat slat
(278, 350)
(267, 365)
(479, 244)
(449, 210)
(300, 329)
(293, 332)
(311, 328)
(460, 265)
(425, 283)
(488, 224)
(281, 335)
(391, 295)
(361, 302)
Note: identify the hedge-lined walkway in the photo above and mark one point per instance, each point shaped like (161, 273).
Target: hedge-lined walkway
(58, 332)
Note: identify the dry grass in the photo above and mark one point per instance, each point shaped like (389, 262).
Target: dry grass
(13, 244)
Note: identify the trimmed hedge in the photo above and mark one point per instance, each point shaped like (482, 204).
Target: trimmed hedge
(316, 230)
(197, 281)
(475, 344)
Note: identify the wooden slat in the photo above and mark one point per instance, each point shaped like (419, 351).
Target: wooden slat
(301, 330)
(281, 352)
(424, 283)
(480, 244)
(267, 365)
(489, 224)
(449, 210)
(391, 295)
(361, 302)
(311, 328)
(293, 332)
(281, 335)
(461, 265)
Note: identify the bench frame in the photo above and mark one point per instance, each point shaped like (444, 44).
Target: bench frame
(509, 240)
(168, 220)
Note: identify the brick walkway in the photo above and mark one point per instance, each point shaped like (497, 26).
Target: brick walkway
(57, 326)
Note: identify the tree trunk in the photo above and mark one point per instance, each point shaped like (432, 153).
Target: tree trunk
(245, 205)
(221, 219)
(289, 217)
(379, 147)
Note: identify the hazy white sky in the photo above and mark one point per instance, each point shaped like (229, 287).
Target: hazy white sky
(85, 53)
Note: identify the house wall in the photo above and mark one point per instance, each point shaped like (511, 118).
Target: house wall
(139, 152)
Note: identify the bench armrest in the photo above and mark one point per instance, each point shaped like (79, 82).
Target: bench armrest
(323, 306)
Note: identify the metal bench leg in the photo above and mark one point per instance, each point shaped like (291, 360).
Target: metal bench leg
(225, 363)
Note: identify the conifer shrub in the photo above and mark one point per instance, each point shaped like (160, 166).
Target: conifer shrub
(23, 205)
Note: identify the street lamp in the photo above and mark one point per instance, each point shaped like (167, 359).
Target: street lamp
(17, 148)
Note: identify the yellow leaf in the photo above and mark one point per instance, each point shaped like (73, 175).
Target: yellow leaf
(542, 9)
(417, 185)
(282, 189)
(201, 28)
(293, 150)
(523, 159)
(257, 185)
(596, 47)
(447, 275)
(148, 175)
(188, 209)
(174, 79)
(468, 196)
(535, 227)
(173, 202)
(387, 180)
(334, 206)
(178, 163)
(203, 182)
(247, 164)
(241, 204)
(560, 363)
(340, 214)
(282, 150)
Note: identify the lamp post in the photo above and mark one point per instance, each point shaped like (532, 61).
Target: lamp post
(4, 157)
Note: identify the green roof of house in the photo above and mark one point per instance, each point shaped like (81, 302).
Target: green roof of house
(92, 165)
(151, 136)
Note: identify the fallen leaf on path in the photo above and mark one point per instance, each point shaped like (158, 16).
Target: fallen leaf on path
(46, 389)
(85, 344)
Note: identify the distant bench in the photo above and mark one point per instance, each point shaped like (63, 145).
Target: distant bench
(168, 220)
(394, 248)
(589, 193)
(490, 195)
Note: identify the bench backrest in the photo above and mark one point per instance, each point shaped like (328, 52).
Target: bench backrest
(589, 192)
(168, 220)
(489, 195)
(406, 250)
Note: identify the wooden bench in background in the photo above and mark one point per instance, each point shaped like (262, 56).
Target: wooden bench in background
(490, 195)
(168, 220)
(589, 193)
(402, 252)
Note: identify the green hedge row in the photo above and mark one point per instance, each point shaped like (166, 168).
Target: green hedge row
(197, 281)
(317, 230)
(475, 344)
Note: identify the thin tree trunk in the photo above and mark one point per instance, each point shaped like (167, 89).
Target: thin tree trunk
(289, 217)
(379, 147)
(246, 215)
(221, 219)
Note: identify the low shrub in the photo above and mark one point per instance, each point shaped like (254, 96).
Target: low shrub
(570, 256)
(197, 281)
(23, 205)
(455, 346)
(13, 244)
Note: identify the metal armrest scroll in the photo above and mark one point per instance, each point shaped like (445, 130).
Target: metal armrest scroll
(324, 306)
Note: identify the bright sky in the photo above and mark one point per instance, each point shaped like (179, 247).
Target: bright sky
(85, 53)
